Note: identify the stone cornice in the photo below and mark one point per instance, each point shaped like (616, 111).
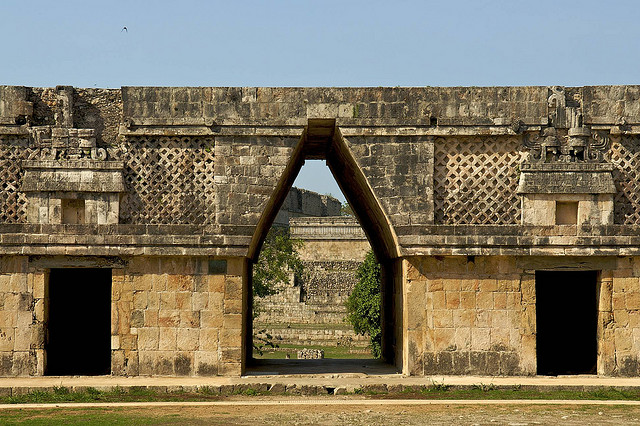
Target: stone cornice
(188, 240)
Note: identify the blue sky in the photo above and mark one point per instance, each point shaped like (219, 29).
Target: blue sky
(319, 43)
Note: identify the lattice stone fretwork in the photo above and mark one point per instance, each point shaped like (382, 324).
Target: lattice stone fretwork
(475, 180)
(168, 181)
(625, 155)
(13, 203)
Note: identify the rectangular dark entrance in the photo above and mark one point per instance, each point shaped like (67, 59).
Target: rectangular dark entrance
(79, 323)
(567, 314)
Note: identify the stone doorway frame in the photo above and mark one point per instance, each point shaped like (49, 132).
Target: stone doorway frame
(322, 140)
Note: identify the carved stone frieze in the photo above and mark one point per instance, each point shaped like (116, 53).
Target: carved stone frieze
(58, 143)
(566, 139)
(575, 145)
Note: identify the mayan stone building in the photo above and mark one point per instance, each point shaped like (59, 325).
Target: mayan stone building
(507, 221)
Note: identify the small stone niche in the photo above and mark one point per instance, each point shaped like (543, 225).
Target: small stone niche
(73, 191)
(567, 194)
(73, 211)
(566, 212)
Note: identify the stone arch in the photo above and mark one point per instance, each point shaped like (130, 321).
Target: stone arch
(323, 140)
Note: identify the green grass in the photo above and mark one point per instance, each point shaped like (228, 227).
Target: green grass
(132, 394)
(433, 391)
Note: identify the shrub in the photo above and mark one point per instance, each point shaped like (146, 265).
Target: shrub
(364, 303)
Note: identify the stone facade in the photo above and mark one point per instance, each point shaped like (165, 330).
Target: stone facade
(471, 198)
(176, 317)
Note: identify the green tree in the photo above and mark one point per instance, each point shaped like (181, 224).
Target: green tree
(278, 258)
(346, 210)
(364, 303)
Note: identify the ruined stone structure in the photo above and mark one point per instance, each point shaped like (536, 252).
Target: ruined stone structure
(304, 203)
(334, 247)
(506, 220)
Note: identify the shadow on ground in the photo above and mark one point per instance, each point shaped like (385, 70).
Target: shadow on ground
(319, 367)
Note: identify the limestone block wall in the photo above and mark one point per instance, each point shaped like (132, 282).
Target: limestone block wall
(329, 336)
(22, 317)
(289, 307)
(477, 315)
(246, 173)
(172, 316)
(395, 167)
(470, 316)
(619, 322)
(169, 316)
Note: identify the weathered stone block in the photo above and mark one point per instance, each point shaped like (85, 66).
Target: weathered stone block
(216, 283)
(232, 306)
(452, 299)
(623, 339)
(168, 300)
(206, 363)
(230, 338)
(633, 299)
(187, 339)
(178, 283)
(183, 364)
(442, 318)
(183, 300)
(484, 300)
(480, 339)
(148, 338)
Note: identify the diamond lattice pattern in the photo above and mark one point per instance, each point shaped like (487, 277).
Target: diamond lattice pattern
(625, 155)
(13, 203)
(168, 181)
(475, 181)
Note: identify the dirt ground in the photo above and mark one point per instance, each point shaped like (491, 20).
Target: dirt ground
(334, 415)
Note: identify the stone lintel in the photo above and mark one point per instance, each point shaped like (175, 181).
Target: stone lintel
(73, 176)
(73, 164)
(569, 179)
(108, 240)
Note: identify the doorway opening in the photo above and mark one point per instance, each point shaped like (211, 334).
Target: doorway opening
(566, 319)
(313, 303)
(317, 247)
(79, 322)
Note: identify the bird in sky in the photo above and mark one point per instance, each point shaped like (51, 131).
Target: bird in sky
(124, 29)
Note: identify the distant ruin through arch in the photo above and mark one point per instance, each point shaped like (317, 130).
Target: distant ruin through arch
(322, 140)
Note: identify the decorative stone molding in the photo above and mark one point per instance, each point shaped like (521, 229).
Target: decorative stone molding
(94, 186)
(546, 187)
(72, 176)
(566, 177)
(578, 145)
(572, 178)
(326, 228)
(58, 143)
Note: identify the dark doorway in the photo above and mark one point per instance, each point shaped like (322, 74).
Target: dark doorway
(566, 311)
(79, 325)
